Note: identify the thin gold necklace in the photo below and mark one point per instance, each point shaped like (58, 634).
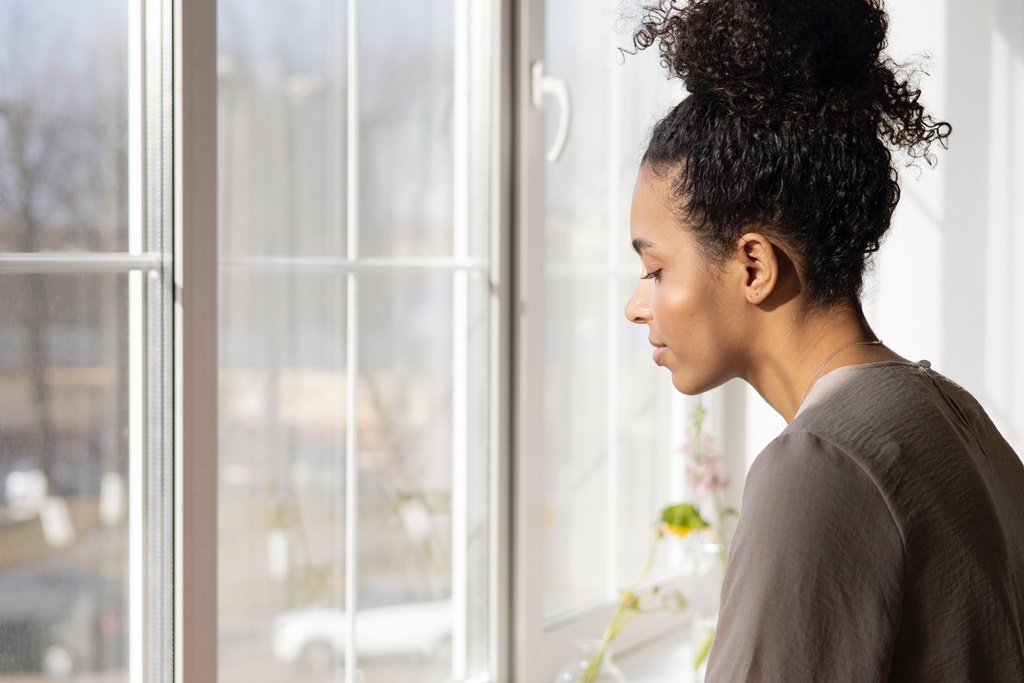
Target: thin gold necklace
(835, 353)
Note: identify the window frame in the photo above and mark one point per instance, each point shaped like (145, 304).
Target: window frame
(193, 29)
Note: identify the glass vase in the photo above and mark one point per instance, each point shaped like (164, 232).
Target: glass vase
(576, 670)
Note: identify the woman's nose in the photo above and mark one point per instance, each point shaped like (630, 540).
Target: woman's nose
(637, 310)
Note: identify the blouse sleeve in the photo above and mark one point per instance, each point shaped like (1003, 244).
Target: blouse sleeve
(813, 589)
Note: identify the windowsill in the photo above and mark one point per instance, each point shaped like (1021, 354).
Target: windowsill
(666, 660)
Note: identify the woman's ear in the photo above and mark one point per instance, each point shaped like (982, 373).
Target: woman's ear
(759, 259)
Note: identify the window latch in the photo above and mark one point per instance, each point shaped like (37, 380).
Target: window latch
(542, 85)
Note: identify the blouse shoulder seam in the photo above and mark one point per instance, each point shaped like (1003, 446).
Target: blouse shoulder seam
(874, 482)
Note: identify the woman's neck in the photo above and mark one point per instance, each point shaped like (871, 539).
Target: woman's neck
(797, 349)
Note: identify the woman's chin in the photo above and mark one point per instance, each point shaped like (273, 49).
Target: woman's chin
(692, 385)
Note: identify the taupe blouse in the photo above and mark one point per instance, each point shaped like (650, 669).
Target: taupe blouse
(881, 539)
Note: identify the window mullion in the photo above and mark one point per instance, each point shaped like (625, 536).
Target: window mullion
(498, 168)
(155, 181)
(137, 360)
(191, 25)
(88, 262)
(528, 345)
(461, 133)
(352, 347)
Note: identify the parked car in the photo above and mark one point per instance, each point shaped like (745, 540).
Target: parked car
(60, 623)
(22, 487)
(397, 617)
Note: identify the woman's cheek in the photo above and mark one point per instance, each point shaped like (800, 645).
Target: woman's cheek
(674, 306)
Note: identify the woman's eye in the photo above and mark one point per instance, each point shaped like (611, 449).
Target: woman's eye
(653, 275)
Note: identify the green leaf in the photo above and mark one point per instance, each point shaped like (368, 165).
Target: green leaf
(704, 648)
(683, 516)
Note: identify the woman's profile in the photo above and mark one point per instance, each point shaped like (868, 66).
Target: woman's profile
(882, 536)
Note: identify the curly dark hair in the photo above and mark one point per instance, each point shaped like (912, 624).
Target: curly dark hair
(791, 124)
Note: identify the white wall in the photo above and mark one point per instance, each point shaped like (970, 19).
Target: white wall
(943, 286)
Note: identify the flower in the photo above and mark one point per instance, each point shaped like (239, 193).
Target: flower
(704, 470)
(682, 519)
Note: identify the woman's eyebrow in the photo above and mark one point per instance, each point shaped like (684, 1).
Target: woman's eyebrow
(639, 244)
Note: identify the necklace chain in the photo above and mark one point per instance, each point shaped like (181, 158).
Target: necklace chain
(876, 342)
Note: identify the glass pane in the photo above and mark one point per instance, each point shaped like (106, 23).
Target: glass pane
(63, 126)
(420, 420)
(578, 50)
(577, 204)
(647, 480)
(63, 476)
(405, 616)
(477, 366)
(282, 479)
(406, 73)
(576, 442)
(607, 407)
(281, 127)
(644, 96)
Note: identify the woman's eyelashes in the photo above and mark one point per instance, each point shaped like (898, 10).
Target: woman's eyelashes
(653, 275)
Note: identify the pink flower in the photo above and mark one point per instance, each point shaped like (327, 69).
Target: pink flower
(704, 472)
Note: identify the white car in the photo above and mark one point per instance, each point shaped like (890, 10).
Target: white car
(396, 617)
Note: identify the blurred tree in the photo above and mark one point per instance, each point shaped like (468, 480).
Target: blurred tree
(63, 185)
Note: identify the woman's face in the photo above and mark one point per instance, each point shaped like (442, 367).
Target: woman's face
(694, 310)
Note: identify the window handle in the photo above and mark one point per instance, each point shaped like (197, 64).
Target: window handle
(556, 87)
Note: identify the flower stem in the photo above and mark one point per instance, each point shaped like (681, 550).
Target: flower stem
(629, 607)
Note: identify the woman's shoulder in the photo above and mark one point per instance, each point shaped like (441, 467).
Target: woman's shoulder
(890, 406)
(863, 428)
(920, 438)
(868, 388)
(804, 462)
(804, 492)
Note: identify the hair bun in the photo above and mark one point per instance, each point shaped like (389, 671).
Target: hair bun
(789, 59)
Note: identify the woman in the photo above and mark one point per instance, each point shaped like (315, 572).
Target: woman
(882, 536)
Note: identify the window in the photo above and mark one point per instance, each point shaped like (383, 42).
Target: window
(85, 450)
(358, 332)
(355, 513)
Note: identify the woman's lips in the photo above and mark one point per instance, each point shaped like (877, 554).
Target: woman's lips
(659, 353)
